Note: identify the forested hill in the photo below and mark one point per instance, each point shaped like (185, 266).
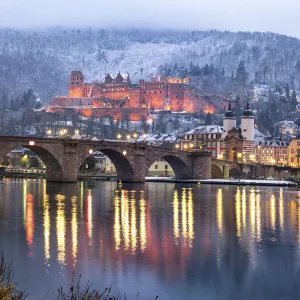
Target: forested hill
(42, 60)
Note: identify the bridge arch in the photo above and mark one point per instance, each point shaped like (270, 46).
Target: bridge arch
(235, 171)
(121, 162)
(54, 171)
(216, 171)
(179, 166)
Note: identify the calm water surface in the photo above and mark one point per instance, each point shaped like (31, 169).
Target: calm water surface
(174, 241)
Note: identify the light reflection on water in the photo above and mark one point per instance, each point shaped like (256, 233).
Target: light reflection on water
(170, 240)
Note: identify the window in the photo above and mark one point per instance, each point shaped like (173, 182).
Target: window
(292, 159)
(101, 161)
(156, 167)
(298, 143)
(292, 151)
(166, 167)
(161, 92)
(208, 144)
(245, 129)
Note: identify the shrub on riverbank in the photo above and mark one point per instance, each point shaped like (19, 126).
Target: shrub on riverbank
(8, 288)
(75, 292)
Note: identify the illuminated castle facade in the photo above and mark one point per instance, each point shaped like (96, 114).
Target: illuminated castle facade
(118, 97)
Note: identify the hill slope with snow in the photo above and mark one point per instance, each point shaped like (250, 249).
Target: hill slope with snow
(42, 60)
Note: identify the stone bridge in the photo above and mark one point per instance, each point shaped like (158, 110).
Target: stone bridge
(63, 157)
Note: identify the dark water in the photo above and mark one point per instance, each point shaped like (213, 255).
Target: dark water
(174, 241)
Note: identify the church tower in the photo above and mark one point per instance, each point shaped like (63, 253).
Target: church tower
(229, 121)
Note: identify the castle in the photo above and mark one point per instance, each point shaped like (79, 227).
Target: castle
(117, 97)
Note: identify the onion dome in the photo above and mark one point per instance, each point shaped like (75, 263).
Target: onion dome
(229, 113)
(248, 112)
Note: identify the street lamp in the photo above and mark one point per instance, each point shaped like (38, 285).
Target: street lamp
(144, 136)
(124, 152)
(49, 131)
(128, 137)
(135, 135)
(177, 146)
(76, 131)
(61, 132)
(185, 146)
(119, 136)
(191, 145)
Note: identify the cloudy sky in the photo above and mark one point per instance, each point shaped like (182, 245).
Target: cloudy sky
(250, 15)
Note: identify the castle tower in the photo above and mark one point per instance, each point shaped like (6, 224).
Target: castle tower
(247, 128)
(229, 121)
(76, 89)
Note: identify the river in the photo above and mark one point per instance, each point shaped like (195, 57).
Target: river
(168, 240)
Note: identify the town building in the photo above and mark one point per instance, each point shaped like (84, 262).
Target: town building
(161, 168)
(294, 153)
(204, 137)
(271, 152)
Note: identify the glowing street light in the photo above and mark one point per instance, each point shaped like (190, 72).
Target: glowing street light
(76, 131)
(65, 131)
(119, 136)
(177, 146)
(185, 146)
(91, 151)
(220, 156)
(61, 132)
(239, 155)
(191, 145)
(135, 135)
(144, 136)
(124, 152)
(49, 131)
(128, 137)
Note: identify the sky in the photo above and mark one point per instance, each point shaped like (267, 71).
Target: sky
(235, 15)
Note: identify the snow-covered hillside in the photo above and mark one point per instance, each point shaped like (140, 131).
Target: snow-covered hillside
(42, 60)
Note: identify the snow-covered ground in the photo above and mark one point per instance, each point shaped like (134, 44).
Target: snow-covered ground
(225, 181)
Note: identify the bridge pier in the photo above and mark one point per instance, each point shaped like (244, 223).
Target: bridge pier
(226, 171)
(201, 164)
(68, 171)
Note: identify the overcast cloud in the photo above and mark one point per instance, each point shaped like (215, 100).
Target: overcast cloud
(236, 15)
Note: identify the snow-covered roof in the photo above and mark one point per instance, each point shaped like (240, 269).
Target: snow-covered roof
(19, 150)
(99, 155)
(158, 138)
(271, 143)
(287, 124)
(206, 129)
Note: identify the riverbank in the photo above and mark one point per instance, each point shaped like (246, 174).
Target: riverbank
(251, 182)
